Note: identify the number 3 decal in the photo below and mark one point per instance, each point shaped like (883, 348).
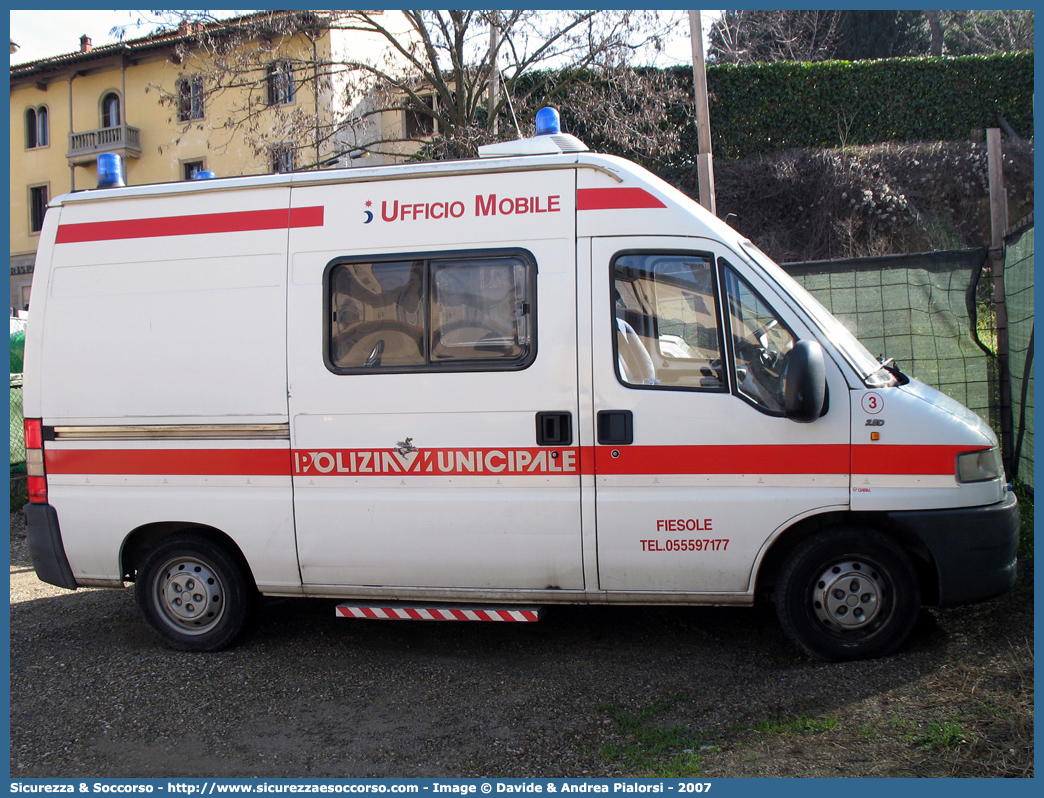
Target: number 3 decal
(873, 403)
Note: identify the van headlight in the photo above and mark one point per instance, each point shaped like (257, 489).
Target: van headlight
(981, 466)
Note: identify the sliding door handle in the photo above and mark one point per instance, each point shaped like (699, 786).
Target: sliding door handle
(554, 429)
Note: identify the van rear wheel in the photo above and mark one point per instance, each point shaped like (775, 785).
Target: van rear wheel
(193, 594)
(848, 594)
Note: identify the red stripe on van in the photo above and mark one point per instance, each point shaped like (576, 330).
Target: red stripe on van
(898, 459)
(603, 199)
(812, 459)
(197, 224)
(628, 460)
(176, 462)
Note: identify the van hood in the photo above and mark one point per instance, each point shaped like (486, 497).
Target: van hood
(949, 405)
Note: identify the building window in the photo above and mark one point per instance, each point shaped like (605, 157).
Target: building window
(420, 124)
(38, 197)
(190, 98)
(36, 128)
(282, 159)
(189, 169)
(459, 313)
(110, 110)
(280, 83)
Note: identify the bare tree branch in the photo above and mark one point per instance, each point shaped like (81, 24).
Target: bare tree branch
(741, 37)
(430, 64)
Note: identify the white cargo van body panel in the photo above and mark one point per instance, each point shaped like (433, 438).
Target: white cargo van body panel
(168, 291)
(255, 511)
(422, 474)
(619, 197)
(912, 463)
(168, 317)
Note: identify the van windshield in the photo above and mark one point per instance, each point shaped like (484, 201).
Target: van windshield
(857, 355)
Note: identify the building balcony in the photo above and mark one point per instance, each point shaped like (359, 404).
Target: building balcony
(84, 148)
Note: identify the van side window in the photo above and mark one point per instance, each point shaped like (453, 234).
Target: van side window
(437, 314)
(666, 321)
(759, 342)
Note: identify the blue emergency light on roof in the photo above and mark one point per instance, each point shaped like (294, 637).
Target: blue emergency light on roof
(204, 174)
(548, 122)
(549, 140)
(110, 170)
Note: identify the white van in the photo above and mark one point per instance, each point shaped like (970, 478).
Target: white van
(543, 376)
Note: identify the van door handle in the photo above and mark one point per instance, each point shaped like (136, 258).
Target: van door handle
(554, 429)
(616, 427)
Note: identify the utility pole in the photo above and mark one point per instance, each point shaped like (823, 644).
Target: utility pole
(494, 78)
(704, 159)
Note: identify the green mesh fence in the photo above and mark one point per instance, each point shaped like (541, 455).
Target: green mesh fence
(17, 430)
(1018, 288)
(920, 310)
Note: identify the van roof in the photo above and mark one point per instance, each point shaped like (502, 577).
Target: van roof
(619, 170)
(471, 166)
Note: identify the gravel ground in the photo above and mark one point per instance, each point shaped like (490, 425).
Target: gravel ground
(586, 692)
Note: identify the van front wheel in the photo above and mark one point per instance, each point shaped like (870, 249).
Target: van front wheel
(848, 594)
(193, 594)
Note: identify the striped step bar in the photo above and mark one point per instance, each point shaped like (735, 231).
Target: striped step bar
(463, 612)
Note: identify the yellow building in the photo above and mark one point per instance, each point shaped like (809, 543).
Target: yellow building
(154, 101)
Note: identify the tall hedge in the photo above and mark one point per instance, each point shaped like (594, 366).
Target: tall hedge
(759, 108)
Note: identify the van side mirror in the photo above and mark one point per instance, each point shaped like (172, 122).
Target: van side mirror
(804, 382)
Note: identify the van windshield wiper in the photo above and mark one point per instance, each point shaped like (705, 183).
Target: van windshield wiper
(889, 366)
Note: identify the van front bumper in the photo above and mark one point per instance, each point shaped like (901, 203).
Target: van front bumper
(973, 549)
(45, 546)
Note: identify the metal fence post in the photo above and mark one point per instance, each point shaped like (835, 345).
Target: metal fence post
(999, 225)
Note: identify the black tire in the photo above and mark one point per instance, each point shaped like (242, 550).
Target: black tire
(848, 594)
(171, 596)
